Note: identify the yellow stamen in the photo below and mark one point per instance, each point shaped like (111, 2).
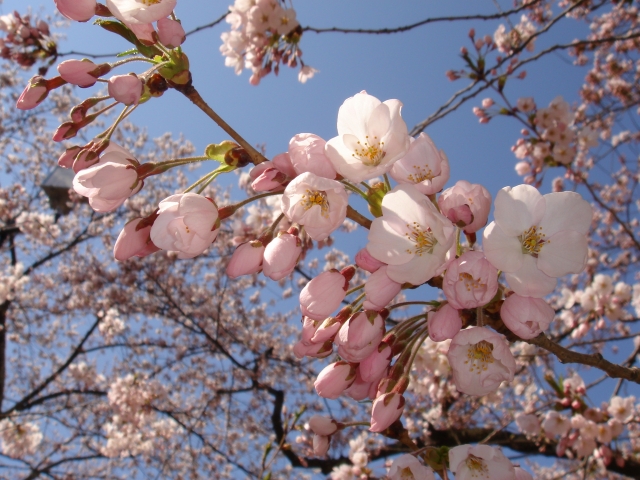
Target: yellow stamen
(470, 282)
(314, 197)
(477, 466)
(424, 239)
(422, 174)
(371, 154)
(533, 240)
(479, 356)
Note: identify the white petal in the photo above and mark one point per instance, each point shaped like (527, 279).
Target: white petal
(529, 281)
(518, 208)
(503, 252)
(566, 211)
(564, 253)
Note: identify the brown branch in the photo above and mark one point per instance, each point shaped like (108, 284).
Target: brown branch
(192, 94)
(594, 360)
(3, 347)
(358, 218)
(76, 351)
(209, 25)
(426, 21)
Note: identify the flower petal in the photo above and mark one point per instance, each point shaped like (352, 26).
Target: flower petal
(563, 253)
(518, 208)
(528, 281)
(503, 252)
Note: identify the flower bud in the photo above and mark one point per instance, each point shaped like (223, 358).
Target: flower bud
(387, 408)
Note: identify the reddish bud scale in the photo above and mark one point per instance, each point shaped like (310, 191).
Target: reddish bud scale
(237, 157)
(348, 273)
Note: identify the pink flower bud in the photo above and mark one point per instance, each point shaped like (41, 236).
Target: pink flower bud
(66, 159)
(323, 294)
(320, 445)
(143, 32)
(65, 131)
(380, 290)
(108, 183)
(360, 336)
(444, 323)
(314, 350)
(170, 32)
(309, 327)
(475, 196)
(334, 379)
(281, 256)
(246, 259)
(323, 425)
(470, 281)
(267, 178)
(77, 72)
(330, 326)
(125, 89)
(78, 10)
(34, 93)
(134, 241)
(387, 408)
(306, 151)
(375, 365)
(366, 262)
(527, 317)
(359, 390)
(487, 103)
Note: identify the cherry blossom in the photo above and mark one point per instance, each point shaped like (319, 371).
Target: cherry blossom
(480, 462)
(412, 237)
(135, 11)
(318, 204)
(536, 238)
(78, 10)
(423, 166)
(464, 198)
(408, 467)
(371, 137)
(527, 317)
(481, 360)
(470, 281)
(187, 223)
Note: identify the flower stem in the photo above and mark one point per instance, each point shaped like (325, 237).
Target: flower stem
(192, 94)
(358, 217)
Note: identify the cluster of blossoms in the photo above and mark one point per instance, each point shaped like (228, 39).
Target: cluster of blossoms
(24, 43)
(19, 439)
(263, 35)
(414, 239)
(508, 41)
(584, 430)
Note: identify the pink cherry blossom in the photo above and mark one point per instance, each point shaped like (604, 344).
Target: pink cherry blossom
(134, 11)
(77, 72)
(536, 238)
(371, 137)
(126, 89)
(622, 409)
(187, 223)
(317, 203)
(306, 151)
(444, 323)
(387, 408)
(266, 177)
(555, 423)
(170, 32)
(78, 10)
(379, 290)
(408, 467)
(323, 295)
(470, 281)
(527, 317)
(281, 256)
(134, 241)
(478, 462)
(334, 379)
(423, 166)
(480, 360)
(412, 237)
(109, 182)
(464, 197)
(528, 423)
(246, 259)
(306, 73)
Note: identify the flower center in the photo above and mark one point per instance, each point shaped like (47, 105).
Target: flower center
(149, 2)
(470, 282)
(406, 474)
(425, 240)
(421, 174)
(533, 240)
(314, 197)
(371, 154)
(479, 356)
(476, 465)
